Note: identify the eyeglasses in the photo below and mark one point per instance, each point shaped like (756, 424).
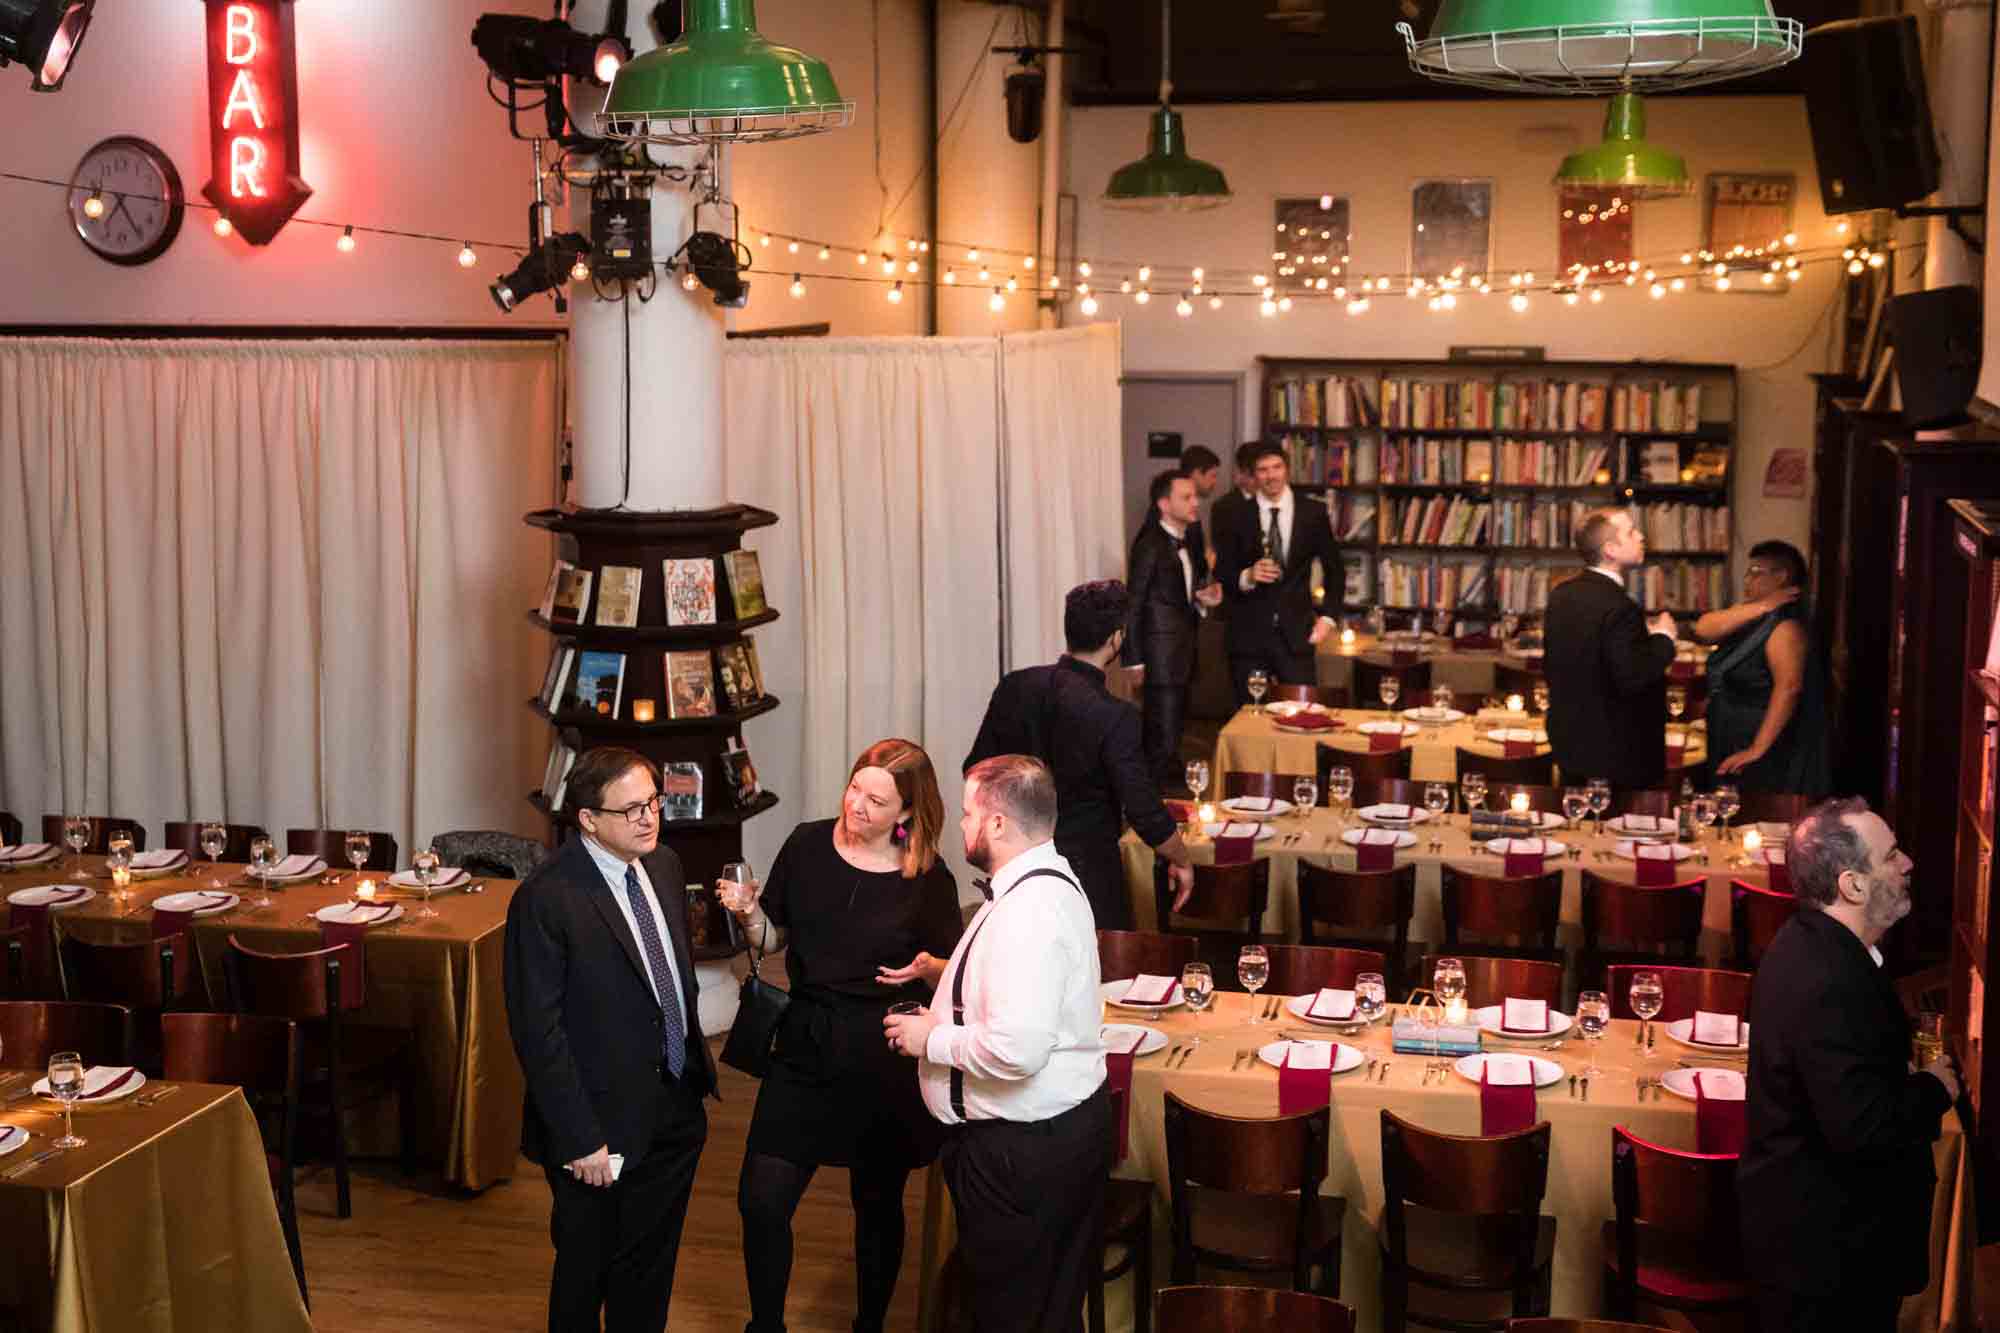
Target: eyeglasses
(635, 812)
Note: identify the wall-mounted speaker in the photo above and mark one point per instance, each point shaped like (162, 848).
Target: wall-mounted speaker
(1937, 339)
(1870, 114)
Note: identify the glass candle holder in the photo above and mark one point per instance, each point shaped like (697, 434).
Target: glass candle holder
(1515, 703)
(1519, 803)
(642, 710)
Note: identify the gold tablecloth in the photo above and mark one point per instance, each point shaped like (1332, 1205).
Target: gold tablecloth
(1469, 670)
(439, 979)
(164, 1222)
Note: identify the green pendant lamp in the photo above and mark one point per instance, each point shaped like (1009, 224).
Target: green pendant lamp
(722, 82)
(1625, 161)
(1166, 179)
(1594, 47)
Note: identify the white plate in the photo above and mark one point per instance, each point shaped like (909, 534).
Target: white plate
(1270, 807)
(354, 914)
(1681, 1030)
(1501, 735)
(51, 895)
(1680, 1082)
(1681, 850)
(99, 1076)
(1657, 827)
(160, 872)
(202, 902)
(313, 871)
(1550, 846)
(1293, 707)
(447, 878)
(1489, 1021)
(1434, 716)
(1113, 994)
(1297, 1005)
(12, 1137)
(50, 851)
(1350, 1057)
(1373, 814)
(1389, 728)
(1546, 1071)
(1264, 831)
(1404, 838)
(1118, 1037)
(1543, 818)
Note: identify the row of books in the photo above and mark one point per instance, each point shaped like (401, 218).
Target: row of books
(1437, 520)
(1521, 587)
(1680, 585)
(1330, 400)
(1685, 527)
(1340, 401)
(681, 781)
(1555, 463)
(1519, 520)
(1433, 582)
(1336, 461)
(1352, 515)
(591, 681)
(690, 591)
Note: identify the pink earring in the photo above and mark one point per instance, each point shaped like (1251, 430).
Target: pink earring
(902, 832)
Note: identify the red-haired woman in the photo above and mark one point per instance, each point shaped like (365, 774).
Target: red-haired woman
(867, 915)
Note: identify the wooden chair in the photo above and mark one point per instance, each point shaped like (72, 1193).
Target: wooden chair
(1306, 969)
(1534, 769)
(1640, 801)
(306, 988)
(1755, 916)
(1245, 1195)
(1360, 900)
(185, 834)
(1560, 1325)
(1250, 1310)
(1683, 990)
(10, 830)
(1387, 791)
(1415, 679)
(14, 962)
(1491, 980)
(1126, 1224)
(149, 979)
(1675, 1241)
(1773, 807)
(1516, 917)
(1221, 893)
(1331, 696)
(1659, 924)
(1365, 766)
(1463, 1214)
(330, 845)
(1130, 953)
(33, 1030)
(264, 1057)
(101, 829)
(1277, 785)
(1515, 680)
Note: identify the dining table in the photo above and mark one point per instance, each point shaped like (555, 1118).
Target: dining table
(163, 1220)
(436, 977)
(1469, 668)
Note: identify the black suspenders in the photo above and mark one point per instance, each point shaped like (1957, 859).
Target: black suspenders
(958, 983)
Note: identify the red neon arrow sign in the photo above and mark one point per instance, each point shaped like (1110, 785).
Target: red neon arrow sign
(253, 116)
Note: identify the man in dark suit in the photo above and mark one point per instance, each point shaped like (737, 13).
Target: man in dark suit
(1238, 506)
(1606, 663)
(1265, 564)
(1065, 717)
(1200, 465)
(1170, 592)
(601, 1002)
(1836, 1176)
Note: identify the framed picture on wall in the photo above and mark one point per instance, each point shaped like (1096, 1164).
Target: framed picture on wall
(1751, 210)
(1594, 232)
(1451, 228)
(1311, 241)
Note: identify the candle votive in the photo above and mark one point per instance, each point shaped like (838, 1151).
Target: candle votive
(1519, 804)
(1347, 641)
(1454, 1011)
(1515, 703)
(1207, 813)
(1753, 841)
(642, 710)
(365, 891)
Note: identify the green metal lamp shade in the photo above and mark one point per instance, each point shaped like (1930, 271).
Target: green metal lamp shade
(1625, 161)
(722, 82)
(1166, 178)
(1593, 47)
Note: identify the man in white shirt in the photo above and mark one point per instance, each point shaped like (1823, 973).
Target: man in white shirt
(1010, 1057)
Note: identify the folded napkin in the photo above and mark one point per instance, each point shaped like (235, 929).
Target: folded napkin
(1644, 824)
(1719, 1112)
(1506, 1094)
(1522, 856)
(1118, 1082)
(1392, 810)
(1653, 865)
(1384, 742)
(1250, 804)
(1376, 850)
(101, 1081)
(1715, 1029)
(1311, 722)
(1235, 843)
(1148, 989)
(1774, 866)
(1336, 1005)
(447, 877)
(163, 859)
(1528, 1017)
(299, 863)
(1305, 1076)
(26, 851)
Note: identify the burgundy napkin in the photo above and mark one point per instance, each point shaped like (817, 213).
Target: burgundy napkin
(1719, 1122)
(1310, 722)
(1384, 742)
(1477, 641)
(1523, 857)
(1118, 1079)
(1505, 1107)
(354, 966)
(166, 923)
(1781, 878)
(1652, 870)
(1304, 1089)
(1513, 749)
(1371, 855)
(1234, 849)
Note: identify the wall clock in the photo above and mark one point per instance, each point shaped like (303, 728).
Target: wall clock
(140, 196)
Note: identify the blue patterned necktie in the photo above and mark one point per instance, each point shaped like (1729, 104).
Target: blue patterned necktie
(673, 1028)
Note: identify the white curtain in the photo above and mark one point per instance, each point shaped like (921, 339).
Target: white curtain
(278, 583)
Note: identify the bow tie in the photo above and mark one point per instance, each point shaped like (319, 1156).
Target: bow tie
(985, 887)
(1179, 543)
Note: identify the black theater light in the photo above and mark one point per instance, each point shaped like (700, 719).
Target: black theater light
(43, 35)
(519, 49)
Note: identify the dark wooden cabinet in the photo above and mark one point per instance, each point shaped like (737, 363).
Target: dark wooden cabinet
(1975, 550)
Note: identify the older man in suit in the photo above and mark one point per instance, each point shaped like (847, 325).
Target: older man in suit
(1264, 562)
(1836, 1177)
(1606, 663)
(601, 1003)
(1170, 592)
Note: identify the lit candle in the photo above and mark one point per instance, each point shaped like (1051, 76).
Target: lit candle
(1454, 1010)
(1514, 703)
(121, 878)
(1519, 805)
(642, 710)
(1347, 641)
(1753, 841)
(1207, 813)
(365, 891)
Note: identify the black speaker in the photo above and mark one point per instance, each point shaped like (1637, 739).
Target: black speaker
(1870, 115)
(1937, 340)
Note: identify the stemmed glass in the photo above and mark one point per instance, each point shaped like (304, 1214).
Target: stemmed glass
(1677, 702)
(76, 835)
(1647, 998)
(1576, 804)
(1340, 786)
(1600, 800)
(1448, 983)
(263, 858)
(1197, 783)
(1437, 797)
(214, 840)
(1253, 969)
(118, 857)
(1728, 800)
(1539, 692)
(1305, 795)
(66, 1085)
(360, 842)
(1371, 996)
(1704, 814)
(733, 888)
(1474, 787)
(1198, 989)
(1441, 697)
(1258, 684)
(1593, 1016)
(425, 866)
(1391, 689)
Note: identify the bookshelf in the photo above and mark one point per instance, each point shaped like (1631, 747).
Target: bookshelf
(1976, 810)
(1456, 484)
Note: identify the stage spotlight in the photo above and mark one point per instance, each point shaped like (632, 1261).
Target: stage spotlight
(713, 258)
(519, 49)
(539, 270)
(43, 35)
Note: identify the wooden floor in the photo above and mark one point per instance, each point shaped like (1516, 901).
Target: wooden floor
(417, 1257)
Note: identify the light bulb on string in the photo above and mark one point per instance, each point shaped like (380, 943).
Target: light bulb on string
(1435, 305)
(467, 257)
(1088, 306)
(1519, 302)
(798, 287)
(896, 294)
(923, 247)
(861, 258)
(1199, 273)
(93, 206)
(580, 270)
(951, 277)
(1856, 267)
(1267, 307)
(983, 274)
(972, 256)
(1658, 291)
(1196, 289)
(1083, 268)
(1215, 303)
(1258, 280)
(222, 226)
(1678, 284)
(1184, 307)
(689, 281)
(1340, 293)
(1083, 289)
(1013, 284)
(888, 265)
(1722, 283)
(765, 240)
(825, 253)
(1357, 305)
(1571, 298)
(346, 242)
(1791, 275)
(997, 302)
(792, 247)
(1325, 202)
(910, 267)
(1875, 260)
(1597, 296)
(1285, 303)
(1145, 272)
(911, 245)
(1448, 301)
(1125, 285)
(1142, 296)
(1028, 262)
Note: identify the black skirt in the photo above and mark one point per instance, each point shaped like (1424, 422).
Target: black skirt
(836, 1094)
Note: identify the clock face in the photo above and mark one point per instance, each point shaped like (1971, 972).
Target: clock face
(138, 202)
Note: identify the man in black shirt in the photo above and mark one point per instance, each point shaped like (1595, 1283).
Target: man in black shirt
(1064, 716)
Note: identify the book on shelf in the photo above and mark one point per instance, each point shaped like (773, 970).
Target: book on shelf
(1358, 581)
(571, 596)
(690, 590)
(1352, 516)
(1432, 582)
(561, 792)
(740, 686)
(547, 606)
(1685, 527)
(599, 685)
(756, 667)
(560, 662)
(746, 583)
(739, 775)
(690, 683)
(1709, 466)
(1339, 401)
(555, 769)
(1662, 407)
(680, 789)
(1682, 585)
(618, 596)
(1662, 464)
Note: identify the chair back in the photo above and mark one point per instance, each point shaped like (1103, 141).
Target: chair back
(1386, 791)
(1248, 1310)
(1351, 900)
(1525, 911)
(33, 1030)
(1221, 893)
(1130, 953)
(1755, 915)
(489, 852)
(1490, 980)
(1365, 765)
(1657, 802)
(14, 962)
(185, 835)
(10, 829)
(101, 829)
(1672, 1193)
(1483, 1174)
(330, 845)
(1306, 969)
(1415, 678)
(1558, 1324)
(1665, 917)
(1533, 769)
(302, 986)
(151, 976)
(1330, 696)
(1278, 785)
(1515, 680)
(1274, 1155)
(1683, 990)
(1773, 807)
(256, 1052)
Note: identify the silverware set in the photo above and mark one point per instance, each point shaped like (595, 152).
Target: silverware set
(23, 1167)
(1579, 1087)
(1646, 1082)
(1271, 1004)
(1177, 1052)
(1242, 1059)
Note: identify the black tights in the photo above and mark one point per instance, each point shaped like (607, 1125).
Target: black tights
(768, 1194)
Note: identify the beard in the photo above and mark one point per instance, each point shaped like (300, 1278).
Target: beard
(979, 853)
(1888, 903)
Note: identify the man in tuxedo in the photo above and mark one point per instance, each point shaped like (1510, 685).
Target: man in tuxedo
(601, 1002)
(1170, 591)
(1265, 563)
(1606, 663)
(1836, 1178)
(1236, 507)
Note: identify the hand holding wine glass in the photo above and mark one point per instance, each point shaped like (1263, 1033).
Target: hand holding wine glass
(738, 889)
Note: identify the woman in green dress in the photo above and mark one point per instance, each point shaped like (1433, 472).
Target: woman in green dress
(1767, 718)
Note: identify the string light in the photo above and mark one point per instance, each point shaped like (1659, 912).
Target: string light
(1284, 303)
(346, 242)
(1145, 272)
(1184, 307)
(1215, 303)
(1267, 307)
(1142, 296)
(1083, 268)
(911, 267)
(984, 274)
(1658, 290)
(222, 226)
(1722, 283)
(1088, 305)
(93, 207)
(580, 270)
(1358, 305)
(1325, 202)
(951, 277)
(1125, 286)
(792, 247)
(1013, 285)
(467, 256)
(1519, 302)
(1597, 296)
(888, 264)
(861, 258)
(825, 253)
(798, 287)
(997, 302)
(896, 294)
(1028, 262)
(911, 246)
(972, 256)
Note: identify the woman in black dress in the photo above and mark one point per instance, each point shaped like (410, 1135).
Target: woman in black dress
(867, 916)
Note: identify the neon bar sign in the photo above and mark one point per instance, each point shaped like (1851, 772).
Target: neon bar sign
(253, 120)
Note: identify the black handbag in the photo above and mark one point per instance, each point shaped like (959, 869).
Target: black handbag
(760, 1008)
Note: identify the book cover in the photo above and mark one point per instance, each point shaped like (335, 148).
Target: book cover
(566, 658)
(552, 678)
(599, 686)
(618, 595)
(739, 776)
(756, 669)
(680, 787)
(746, 583)
(690, 683)
(690, 591)
(572, 595)
(739, 682)
(548, 603)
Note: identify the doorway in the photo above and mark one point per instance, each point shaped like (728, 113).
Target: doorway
(1197, 407)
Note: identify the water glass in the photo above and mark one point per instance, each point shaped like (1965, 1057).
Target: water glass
(1371, 996)
(1197, 778)
(1340, 784)
(118, 850)
(1600, 799)
(1305, 795)
(1704, 813)
(734, 887)
(1198, 989)
(1441, 697)
(214, 841)
(1539, 692)
(1474, 787)
(1448, 980)
(1647, 998)
(66, 1085)
(76, 836)
(1728, 800)
(360, 843)
(1258, 684)
(1576, 804)
(263, 857)
(1437, 797)
(1253, 969)
(1593, 1016)
(425, 866)
(1391, 689)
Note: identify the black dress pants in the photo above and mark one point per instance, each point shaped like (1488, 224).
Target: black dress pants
(1029, 1198)
(1163, 715)
(616, 1246)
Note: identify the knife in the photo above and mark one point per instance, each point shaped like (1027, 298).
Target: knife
(22, 1168)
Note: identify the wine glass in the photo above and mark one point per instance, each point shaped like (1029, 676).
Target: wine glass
(263, 857)
(1448, 980)
(1647, 998)
(214, 841)
(1600, 800)
(1474, 787)
(1198, 989)
(1704, 814)
(1258, 684)
(76, 835)
(1305, 795)
(1391, 689)
(1253, 969)
(1539, 692)
(66, 1085)
(1371, 996)
(1593, 1016)
(734, 887)
(425, 866)
(1576, 804)
(1441, 697)
(1197, 783)
(1437, 797)
(1728, 800)
(360, 843)
(118, 865)
(1677, 702)
(1340, 784)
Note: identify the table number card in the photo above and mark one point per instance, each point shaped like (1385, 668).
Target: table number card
(1716, 1029)
(1149, 989)
(1337, 1005)
(1530, 1016)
